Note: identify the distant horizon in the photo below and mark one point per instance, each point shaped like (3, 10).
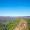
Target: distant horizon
(11, 16)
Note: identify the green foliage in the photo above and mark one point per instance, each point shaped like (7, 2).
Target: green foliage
(7, 25)
(0, 28)
(28, 21)
(10, 25)
(14, 23)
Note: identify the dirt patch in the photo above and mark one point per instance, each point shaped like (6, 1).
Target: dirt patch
(22, 25)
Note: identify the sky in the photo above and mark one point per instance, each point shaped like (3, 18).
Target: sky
(14, 7)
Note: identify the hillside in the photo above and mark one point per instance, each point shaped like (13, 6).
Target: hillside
(22, 25)
(14, 23)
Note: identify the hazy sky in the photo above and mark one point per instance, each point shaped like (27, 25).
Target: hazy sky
(14, 7)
